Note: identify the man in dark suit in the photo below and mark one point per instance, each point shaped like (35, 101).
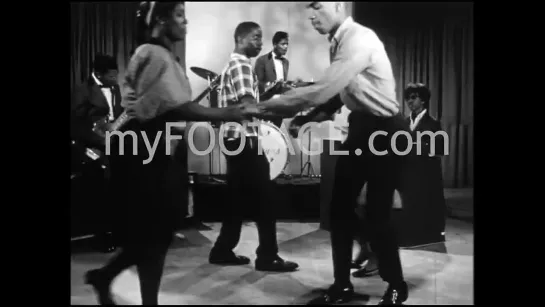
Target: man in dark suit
(273, 66)
(96, 98)
(426, 208)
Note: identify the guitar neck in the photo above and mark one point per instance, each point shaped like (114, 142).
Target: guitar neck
(120, 121)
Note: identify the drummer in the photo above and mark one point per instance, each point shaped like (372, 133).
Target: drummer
(248, 176)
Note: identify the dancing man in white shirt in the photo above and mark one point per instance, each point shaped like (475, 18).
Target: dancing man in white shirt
(360, 76)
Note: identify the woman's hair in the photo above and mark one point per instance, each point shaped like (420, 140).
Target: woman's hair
(147, 15)
(420, 90)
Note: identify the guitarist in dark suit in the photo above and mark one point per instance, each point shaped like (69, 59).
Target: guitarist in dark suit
(273, 66)
(98, 97)
(424, 184)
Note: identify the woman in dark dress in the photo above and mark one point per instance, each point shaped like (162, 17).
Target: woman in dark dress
(156, 91)
(424, 211)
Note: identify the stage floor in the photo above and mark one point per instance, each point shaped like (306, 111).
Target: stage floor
(439, 274)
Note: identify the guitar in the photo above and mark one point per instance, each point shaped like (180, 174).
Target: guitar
(103, 125)
(100, 127)
(279, 87)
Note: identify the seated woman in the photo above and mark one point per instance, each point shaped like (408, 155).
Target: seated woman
(156, 90)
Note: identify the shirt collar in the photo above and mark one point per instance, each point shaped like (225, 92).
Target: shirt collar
(275, 56)
(419, 116)
(96, 79)
(240, 56)
(341, 30)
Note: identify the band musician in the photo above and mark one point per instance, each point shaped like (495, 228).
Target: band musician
(274, 67)
(96, 98)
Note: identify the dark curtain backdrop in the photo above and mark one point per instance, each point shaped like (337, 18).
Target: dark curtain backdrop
(100, 27)
(103, 27)
(433, 43)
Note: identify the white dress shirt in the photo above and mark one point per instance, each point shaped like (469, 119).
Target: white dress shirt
(109, 97)
(278, 67)
(417, 119)
(360, 72)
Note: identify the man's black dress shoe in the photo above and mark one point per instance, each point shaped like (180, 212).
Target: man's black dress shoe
(395, 295)
(358, 264)
(276, 264)
(338, 294)
(369, 269)
(101, 287)
(228, 259)
(365, 272)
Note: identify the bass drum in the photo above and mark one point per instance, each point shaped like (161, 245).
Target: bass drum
(275, 146)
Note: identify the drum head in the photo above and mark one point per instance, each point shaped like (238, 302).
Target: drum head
(275, 147)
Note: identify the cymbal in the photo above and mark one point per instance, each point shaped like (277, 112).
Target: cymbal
(204, 73)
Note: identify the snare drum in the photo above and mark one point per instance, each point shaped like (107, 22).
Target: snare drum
(275, 146)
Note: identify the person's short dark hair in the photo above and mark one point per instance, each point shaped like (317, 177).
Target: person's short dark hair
(244, 28)
(278, 36)
(161, 10)
(420, 90)
(103, 63)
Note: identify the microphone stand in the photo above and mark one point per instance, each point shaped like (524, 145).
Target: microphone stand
(211, 155)
(308, 163)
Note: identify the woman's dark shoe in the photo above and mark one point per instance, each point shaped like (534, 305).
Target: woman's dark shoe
(101, 287)
(105, 242)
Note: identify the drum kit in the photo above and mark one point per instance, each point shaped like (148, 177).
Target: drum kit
(274, 142)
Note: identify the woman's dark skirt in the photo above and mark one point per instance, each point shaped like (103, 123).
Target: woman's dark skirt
(149, 193)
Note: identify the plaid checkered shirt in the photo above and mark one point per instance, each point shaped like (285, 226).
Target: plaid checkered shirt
(238, 79)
